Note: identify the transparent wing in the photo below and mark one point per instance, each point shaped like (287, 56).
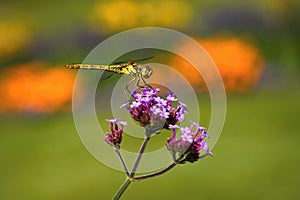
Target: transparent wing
(138, 60)
(105, 75)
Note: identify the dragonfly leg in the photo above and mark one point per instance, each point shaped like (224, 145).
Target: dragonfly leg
(145, 82)
(126, 87)
(138, 82)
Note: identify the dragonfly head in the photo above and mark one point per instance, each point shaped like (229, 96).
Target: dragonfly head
(146, 71)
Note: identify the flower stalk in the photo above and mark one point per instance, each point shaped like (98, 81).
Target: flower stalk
(122, 189)
(151, 175)
(117, 150)
(139, 156)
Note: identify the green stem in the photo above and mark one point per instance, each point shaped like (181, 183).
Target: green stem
(159, 172)
(140, 154)
(122, 160)
(134, 168)
(122, 189)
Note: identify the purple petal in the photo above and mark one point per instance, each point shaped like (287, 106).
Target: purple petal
(124, 123)
(187, 138)
(185, 130)
(180, 117)
(135, 104)
(138, 96)
(155, 110)
(112, 120)
(165, 114)
(182, 107)
(151, 93)
(171, 126)
(206, 148)
(125, 105)
(171, 97)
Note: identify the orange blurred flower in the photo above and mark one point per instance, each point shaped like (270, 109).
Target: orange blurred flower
(34, 88)
(238, 61)
(125, 14)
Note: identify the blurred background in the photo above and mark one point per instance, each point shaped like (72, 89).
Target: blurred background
(255, 45)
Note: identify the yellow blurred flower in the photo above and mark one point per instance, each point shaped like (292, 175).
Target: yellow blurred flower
(35, 88)
(116, 14)
(173, 13)
(238, 61)
(14, 37)
(125, 14)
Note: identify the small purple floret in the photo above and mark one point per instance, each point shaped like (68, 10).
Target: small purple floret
(115, 137)
(190, 143)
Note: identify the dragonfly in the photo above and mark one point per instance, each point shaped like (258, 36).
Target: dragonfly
(132, 68)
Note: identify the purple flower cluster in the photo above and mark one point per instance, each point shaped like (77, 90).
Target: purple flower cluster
(149, 109)
(189, 144)
(155, 113)
(115, 137)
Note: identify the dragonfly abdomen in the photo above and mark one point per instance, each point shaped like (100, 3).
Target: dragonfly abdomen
(87, 66)
(110, 68)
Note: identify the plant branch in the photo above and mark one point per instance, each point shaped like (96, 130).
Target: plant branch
(122, 189)
(134, 168)
(117, 150)
(138, 158)
(159, 172)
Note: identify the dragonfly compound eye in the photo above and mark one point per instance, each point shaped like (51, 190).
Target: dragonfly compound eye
(146, 72)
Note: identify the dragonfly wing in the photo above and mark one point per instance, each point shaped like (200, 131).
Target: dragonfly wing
(143, 59)
(105, 75)
(138, 60)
